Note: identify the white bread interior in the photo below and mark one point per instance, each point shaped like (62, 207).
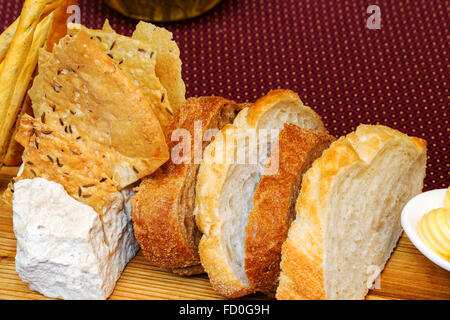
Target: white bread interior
(225, 189)
(348, 214)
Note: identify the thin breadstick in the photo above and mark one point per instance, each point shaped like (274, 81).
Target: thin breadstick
(14, 61)
(13, 155)
(6, 38)
(7, 35)
(39, 39)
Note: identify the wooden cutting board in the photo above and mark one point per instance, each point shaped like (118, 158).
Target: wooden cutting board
(408, 274)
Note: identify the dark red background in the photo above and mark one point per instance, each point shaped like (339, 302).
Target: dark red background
(321, 49)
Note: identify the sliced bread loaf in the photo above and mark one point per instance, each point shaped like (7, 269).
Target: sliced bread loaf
(226, 184)
(274, 204)
(164, 224)
(348, 214)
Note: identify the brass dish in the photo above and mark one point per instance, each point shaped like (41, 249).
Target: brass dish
(162, 10)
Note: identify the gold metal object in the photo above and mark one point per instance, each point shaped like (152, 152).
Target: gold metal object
(162, 10)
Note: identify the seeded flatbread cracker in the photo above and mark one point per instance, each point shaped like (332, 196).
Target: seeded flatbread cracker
(83, 94)
(44, 55)
(137, 60)
(168, 63)
(107, 27)
(55, 157)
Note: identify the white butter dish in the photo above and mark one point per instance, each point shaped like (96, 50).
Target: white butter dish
(414, 210)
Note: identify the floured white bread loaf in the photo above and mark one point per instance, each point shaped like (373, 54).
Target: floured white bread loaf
(348, 214)
(274, 204)
(63, 248)
(226, 185)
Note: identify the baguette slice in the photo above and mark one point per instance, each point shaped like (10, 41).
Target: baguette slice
(162, 209)
(225, 185)
(348, 214)
(274, 204)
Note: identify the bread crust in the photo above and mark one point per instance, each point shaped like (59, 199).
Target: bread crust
(302, 270)
(162, 209)
(274, 202)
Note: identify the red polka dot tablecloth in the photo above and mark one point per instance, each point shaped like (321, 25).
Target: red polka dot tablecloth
(396, 75)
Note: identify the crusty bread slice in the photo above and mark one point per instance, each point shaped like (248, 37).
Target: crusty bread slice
(274, 204)
(164, 224)
(225, 185)
(348, 214)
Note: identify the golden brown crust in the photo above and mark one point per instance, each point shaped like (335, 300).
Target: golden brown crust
(274, 201)
(302, 276)
(162, 209)
(303, 252)
(54, 157)
(83, 94)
